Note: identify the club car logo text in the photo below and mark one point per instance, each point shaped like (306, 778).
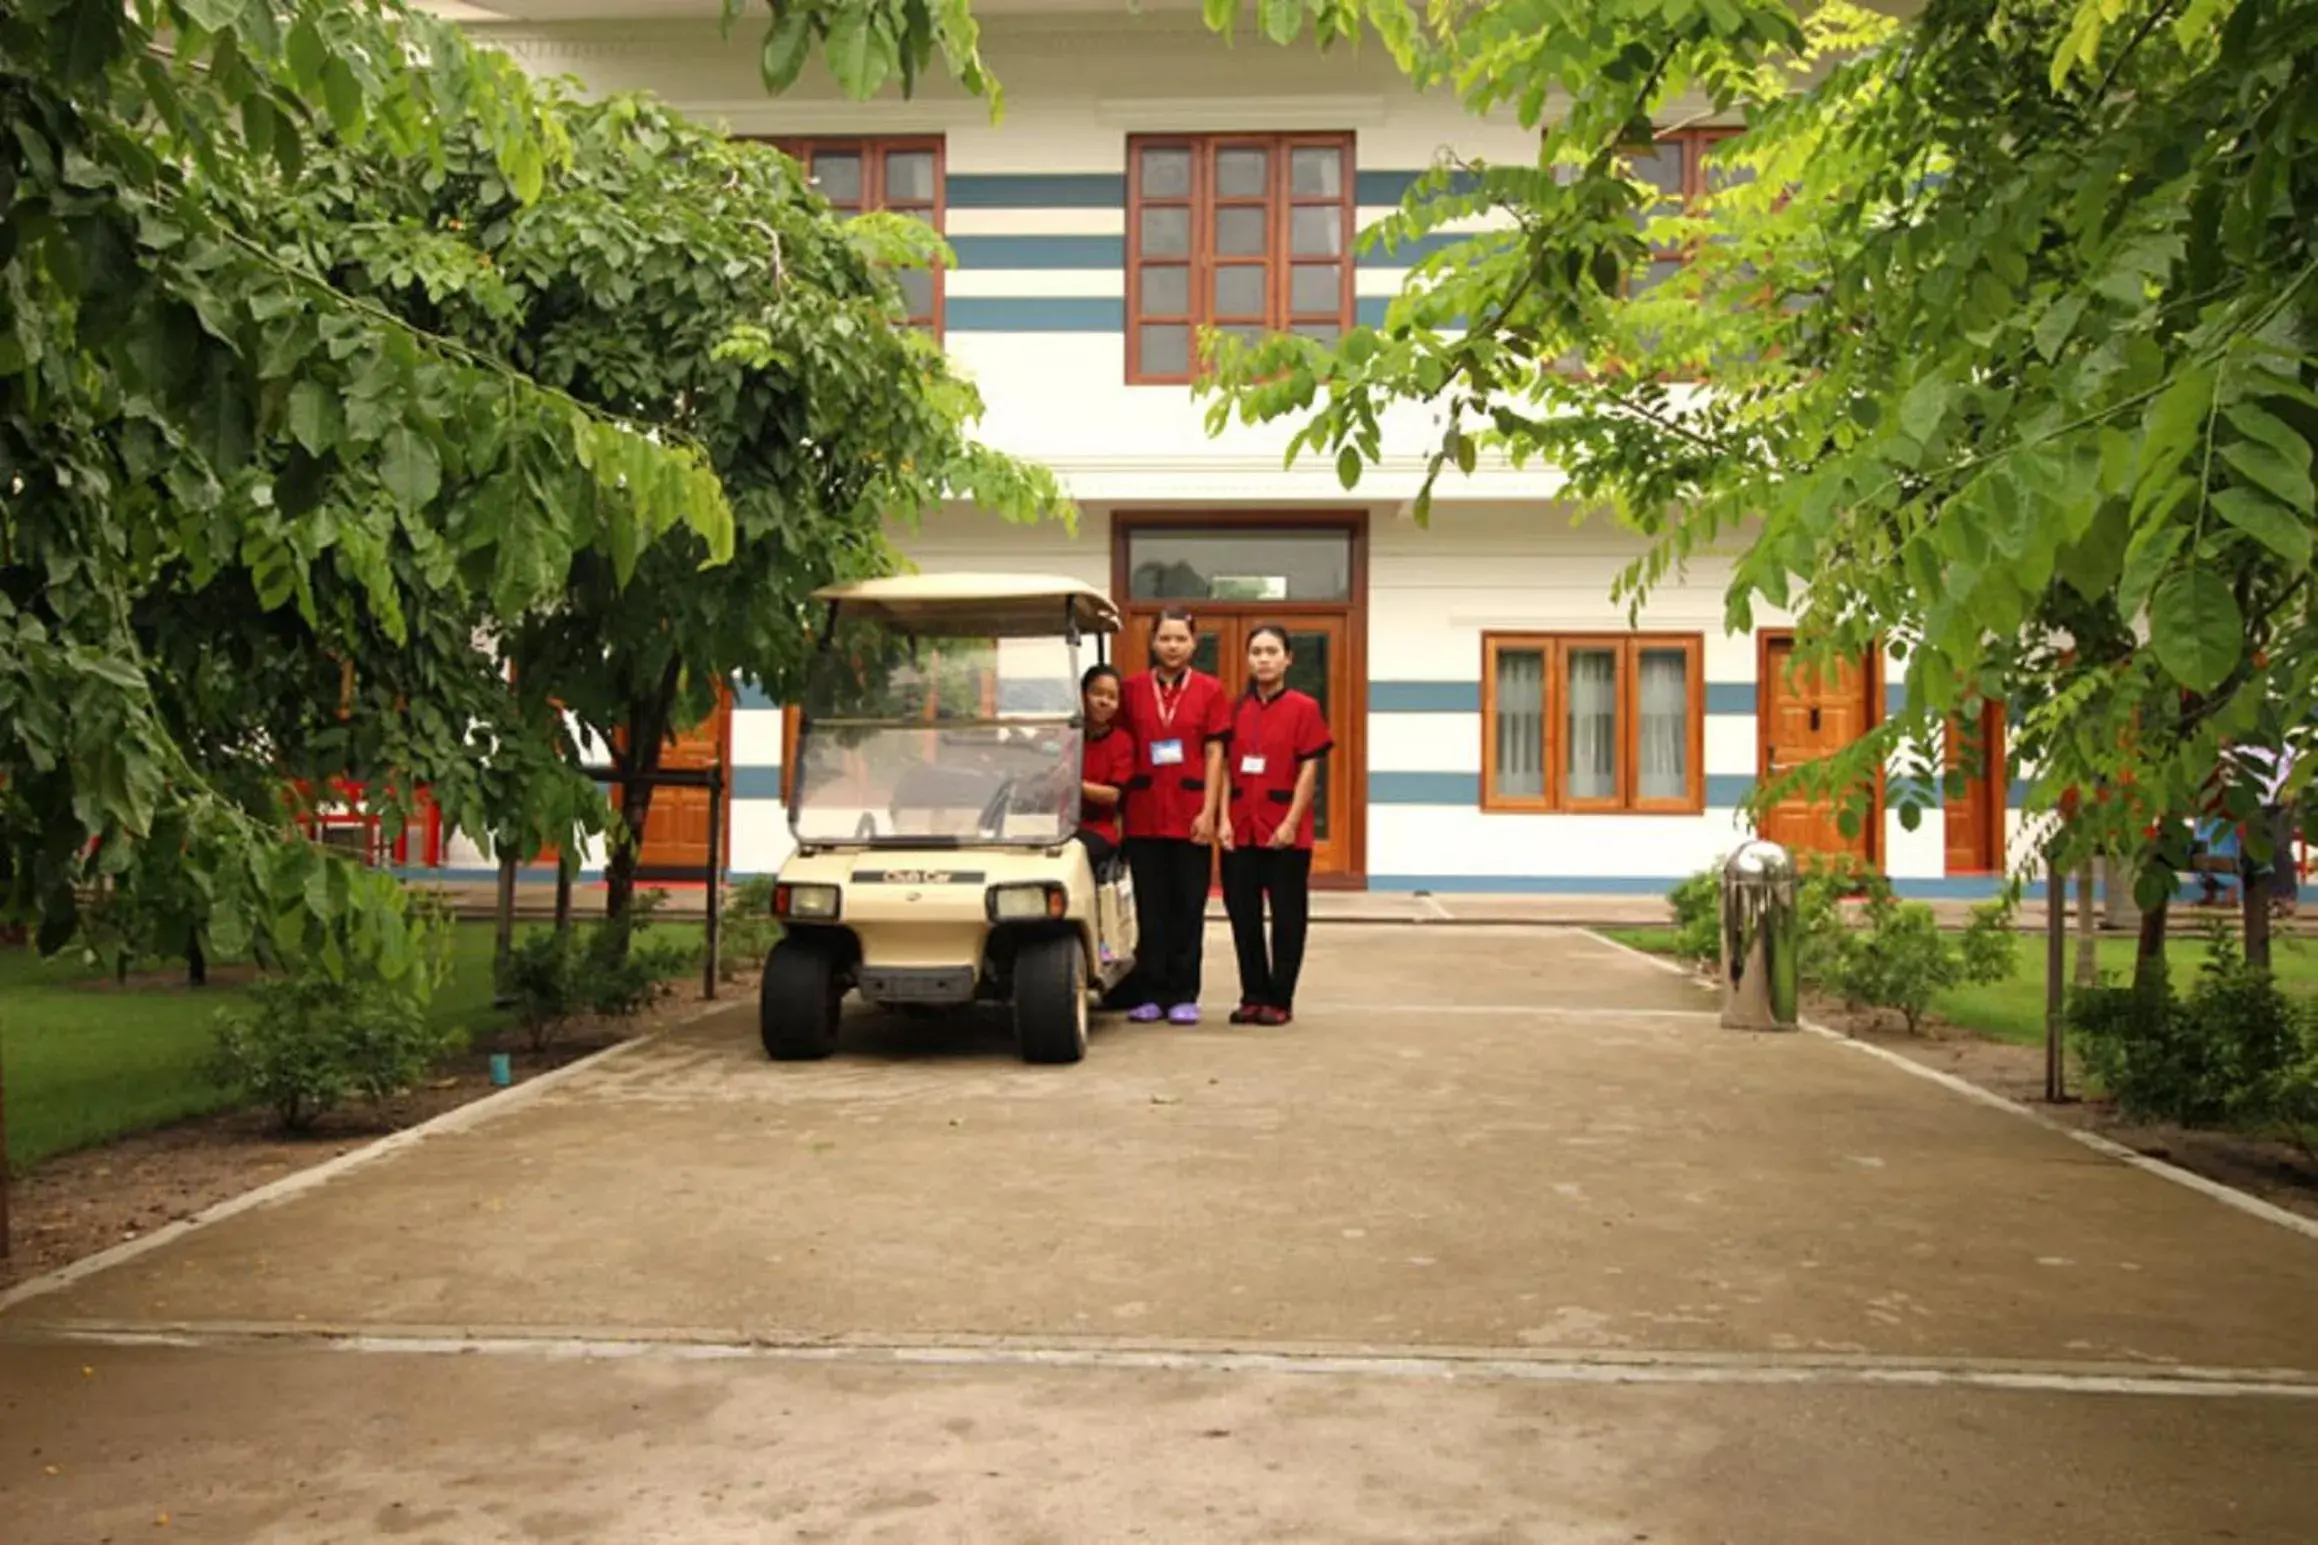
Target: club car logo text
(917, 877)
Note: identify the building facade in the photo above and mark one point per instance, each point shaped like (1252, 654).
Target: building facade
(1500, 725)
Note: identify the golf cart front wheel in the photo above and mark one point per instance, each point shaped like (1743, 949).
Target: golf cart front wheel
(798, 1002)
(1050, 1001)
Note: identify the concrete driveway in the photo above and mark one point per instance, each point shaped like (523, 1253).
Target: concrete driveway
(1504, 1239)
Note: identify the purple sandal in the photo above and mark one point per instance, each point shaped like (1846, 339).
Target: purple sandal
(1144, 1014)
(1183, 1014)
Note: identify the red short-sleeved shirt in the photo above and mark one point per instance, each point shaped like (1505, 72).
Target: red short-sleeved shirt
(1172, 729)
(1110, 759)
(1271, 740)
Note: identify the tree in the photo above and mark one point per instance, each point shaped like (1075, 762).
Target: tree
(254, 523)
(682, 280)
(2002, 358)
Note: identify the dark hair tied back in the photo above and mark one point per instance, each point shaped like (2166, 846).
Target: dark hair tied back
(1278, 632)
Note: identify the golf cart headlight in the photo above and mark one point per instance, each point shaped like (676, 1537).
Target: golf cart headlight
(1020, 903)
(806, 903)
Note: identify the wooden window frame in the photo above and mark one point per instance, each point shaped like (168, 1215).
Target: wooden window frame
(1279, 202)
(1555, 648)
(873, 149)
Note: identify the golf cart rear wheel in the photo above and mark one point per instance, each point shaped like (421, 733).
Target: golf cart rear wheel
(1050, 1001)
(797, 1004)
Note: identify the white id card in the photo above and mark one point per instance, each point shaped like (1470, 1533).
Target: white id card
(1251, 766)
(1167, 753)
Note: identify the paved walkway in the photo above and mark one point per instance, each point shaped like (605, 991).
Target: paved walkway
(1504, 1239)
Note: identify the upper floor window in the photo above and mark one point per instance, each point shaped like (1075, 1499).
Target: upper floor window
(903, 176)
(1577, 722)
(1250, 234)
(1678, 165)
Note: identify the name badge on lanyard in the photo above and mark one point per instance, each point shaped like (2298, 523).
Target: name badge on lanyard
(1168, 752)
(1251, 766)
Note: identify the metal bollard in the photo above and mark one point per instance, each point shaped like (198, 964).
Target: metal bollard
(1759, 939)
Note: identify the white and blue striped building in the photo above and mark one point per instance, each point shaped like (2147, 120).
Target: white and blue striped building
(1452, 775)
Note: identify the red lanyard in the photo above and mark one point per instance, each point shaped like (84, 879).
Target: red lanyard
(1167, 703)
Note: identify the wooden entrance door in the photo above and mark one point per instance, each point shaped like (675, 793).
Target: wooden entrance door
(675, 845)
(1806, 715)
(1975, 821)
(1322, 666)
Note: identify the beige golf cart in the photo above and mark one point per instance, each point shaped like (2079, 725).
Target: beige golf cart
(935, 795)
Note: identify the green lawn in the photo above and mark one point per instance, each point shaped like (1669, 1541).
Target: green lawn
(85, 1064)
(2013, 1010)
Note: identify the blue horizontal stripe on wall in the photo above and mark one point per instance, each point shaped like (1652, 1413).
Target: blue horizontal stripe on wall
(1731, 697)
(747, 694)
(1895, 699)
(1040, 252)
(1381, 187)
(756, 783)
(1034, 314)
(1035, 190)
(1424, 697)
(1930, 888)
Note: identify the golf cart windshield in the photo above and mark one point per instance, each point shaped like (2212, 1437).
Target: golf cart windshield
(941, 740)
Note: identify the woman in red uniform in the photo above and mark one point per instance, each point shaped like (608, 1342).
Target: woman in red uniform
(1179, 721)
(1278, 738)
(1108, 764)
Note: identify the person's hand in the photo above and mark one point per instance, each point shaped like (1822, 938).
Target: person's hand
(1223, 834)
(1283, 836)
(1203, 828)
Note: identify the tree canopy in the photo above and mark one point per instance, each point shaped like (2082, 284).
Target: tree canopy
(695, 284)
(1994, 346)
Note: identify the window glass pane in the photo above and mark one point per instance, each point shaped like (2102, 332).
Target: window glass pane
(1245, 333)
(1655, 273)
(1721, 173)
(909, 177)
(1239, 291)
(1239, 232)
(1166, 174)
(1166, 232)
(1165, 292)
(1166, 564)
(1316, 173)
(1316, 287)
(1663, 736)
(1518, 738)
(1165, 350)
(917, 288)
(1590, 761)
(1317, 230)
(1322, 332)
(1660, 165)
(837, 173)
(1242, 172)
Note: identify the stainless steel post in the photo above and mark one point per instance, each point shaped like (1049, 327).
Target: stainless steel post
(1761, 983)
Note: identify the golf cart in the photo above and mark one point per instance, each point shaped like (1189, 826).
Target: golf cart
(935, 795)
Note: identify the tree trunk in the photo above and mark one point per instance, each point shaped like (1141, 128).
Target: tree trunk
(2254, 905)
(646, 734)
(2088, 971)
(2149, 958)
(196, 963)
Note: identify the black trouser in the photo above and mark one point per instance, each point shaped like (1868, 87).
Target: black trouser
(1285, 876)
(1170, 918)
(1100, 849)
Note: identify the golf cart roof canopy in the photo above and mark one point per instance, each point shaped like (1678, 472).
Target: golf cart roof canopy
(981, 605)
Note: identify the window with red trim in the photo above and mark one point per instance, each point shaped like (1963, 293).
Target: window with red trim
(1678, 165)
(901, 176)
(1250, 234)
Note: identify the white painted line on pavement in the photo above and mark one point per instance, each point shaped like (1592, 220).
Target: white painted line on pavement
(1526, 1010)
(2228, 1196)
(1490, 1364)
(458, 1118)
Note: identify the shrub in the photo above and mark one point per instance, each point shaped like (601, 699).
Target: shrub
(1902, 961)
(747, 932)
(309, 1043)
(1697, 904)
(618, 968)
(2234, 1049)
(544, 979)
